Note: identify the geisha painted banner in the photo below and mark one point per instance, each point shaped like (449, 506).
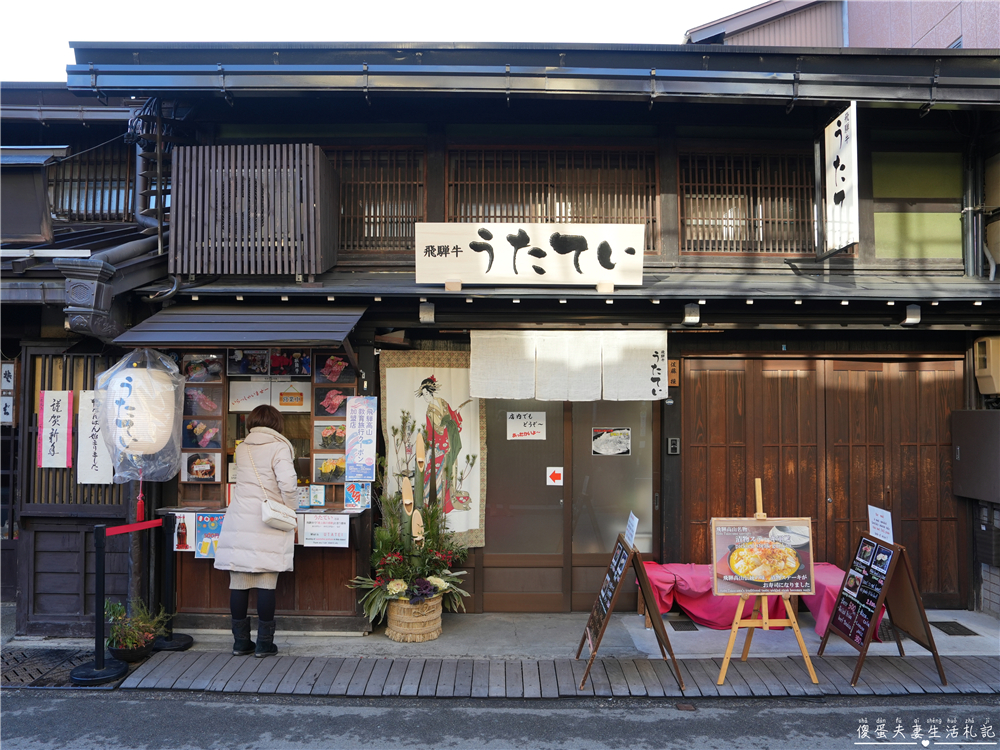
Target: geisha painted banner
(427, 393)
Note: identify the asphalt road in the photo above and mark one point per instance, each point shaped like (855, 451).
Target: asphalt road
(37, 719)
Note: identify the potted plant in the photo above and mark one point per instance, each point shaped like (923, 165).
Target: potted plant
(131, 637)
(412, 558)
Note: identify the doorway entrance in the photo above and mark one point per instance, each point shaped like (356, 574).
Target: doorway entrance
(555, 505)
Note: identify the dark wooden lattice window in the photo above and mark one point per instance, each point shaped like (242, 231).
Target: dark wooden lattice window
(543, 185)
(746, 203)
(94, 185)
(382, 196)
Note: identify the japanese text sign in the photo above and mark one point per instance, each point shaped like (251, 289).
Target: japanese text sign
(321, 530)
(526, 425)
(7, 375)
(360, 449)
(880, 523)
(772, 556)
(530, 254)
(840, 142)
(93, 462)
(55, 429)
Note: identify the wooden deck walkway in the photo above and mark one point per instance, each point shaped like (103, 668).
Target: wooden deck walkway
(483, 678)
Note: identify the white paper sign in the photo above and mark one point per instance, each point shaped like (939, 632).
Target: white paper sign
(361, 416)
(317, 494)
(93, 462)
(633, 524)
(55, 429)
(840, 141)
(322, 530)
(554, 476)
(530, 254)
(247, 395)
(880, 524)
(7, 393)
(526, 425)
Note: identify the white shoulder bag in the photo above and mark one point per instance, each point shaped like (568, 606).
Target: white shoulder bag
(274, 513)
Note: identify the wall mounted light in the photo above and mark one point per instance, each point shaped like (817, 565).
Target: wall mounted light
(798, 302)
(655, 301)
(890, 303)
(239, 297)
(912, 315)
(330, 298)
(845, 302)
(692, 314)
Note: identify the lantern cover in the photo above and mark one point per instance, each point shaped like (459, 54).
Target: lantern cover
(140, 401)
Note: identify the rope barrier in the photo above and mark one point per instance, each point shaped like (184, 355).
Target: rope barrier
(134, 527)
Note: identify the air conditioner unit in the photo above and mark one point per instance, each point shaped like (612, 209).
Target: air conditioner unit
(986, 358)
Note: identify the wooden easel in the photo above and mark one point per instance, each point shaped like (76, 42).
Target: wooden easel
(624, 556)
(764, 621)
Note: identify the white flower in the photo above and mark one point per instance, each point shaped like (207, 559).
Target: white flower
(439, 583)
(396, 586)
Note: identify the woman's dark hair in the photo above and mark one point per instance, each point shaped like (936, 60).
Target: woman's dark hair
(266, 416)
(427, 385)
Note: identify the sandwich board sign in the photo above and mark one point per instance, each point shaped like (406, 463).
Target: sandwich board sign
(624, 555)
(880, 573)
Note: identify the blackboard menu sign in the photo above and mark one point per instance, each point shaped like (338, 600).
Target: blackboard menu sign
(624, 554)
(860, 596)
(880, 573)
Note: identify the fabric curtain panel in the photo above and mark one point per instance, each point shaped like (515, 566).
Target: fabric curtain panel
(569, 365)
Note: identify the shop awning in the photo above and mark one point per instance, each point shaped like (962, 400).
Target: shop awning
(244, 326)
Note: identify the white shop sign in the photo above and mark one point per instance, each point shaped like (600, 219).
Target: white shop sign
(530, 254)
(840, 151)
(322, 530)
(526, 425)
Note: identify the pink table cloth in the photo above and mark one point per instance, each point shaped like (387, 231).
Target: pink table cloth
(691, 586)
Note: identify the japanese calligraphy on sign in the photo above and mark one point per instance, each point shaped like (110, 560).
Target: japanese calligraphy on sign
(325, 531)
(360, 451)
(55, 429)
(7, 393)
(526, 425)
(840, 144)
(530, 254)
(772, 556)
(93, 462)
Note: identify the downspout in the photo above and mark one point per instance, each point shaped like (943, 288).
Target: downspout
(141, 202)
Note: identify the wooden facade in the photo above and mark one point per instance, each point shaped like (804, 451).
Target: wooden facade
(797, 369)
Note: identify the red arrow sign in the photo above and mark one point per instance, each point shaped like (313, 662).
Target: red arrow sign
(555, 476)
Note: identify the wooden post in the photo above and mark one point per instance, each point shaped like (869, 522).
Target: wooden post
(760, 515)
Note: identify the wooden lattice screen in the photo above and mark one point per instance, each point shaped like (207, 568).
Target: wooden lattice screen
(746, 203)
(258, 209)
(56, 490)
(94, 185)
(544, 185)
(383, 196)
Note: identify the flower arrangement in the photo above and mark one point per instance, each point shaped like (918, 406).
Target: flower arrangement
(408, 565)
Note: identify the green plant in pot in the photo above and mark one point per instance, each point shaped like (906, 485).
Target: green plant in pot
(131, 636)
(412, 557)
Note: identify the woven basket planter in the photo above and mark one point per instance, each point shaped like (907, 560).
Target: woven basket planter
(414, 623)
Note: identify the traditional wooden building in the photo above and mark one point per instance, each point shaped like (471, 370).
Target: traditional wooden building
(287, 192)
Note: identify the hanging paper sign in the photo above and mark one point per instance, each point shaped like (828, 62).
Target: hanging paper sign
(7, 393)
(287, 395)
(361, 411)
(357, 496)
(291, 397)
(207, 527)
(322, 530)
(633, 524)
(55, 429)
(93, 462)
(880, 524)
(526, 425)
(841, 153)
(247, 395)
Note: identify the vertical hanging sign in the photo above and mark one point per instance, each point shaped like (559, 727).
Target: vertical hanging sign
(360, 447)
(7, 375)
(55, 429)
(840, 141)
(93, 462)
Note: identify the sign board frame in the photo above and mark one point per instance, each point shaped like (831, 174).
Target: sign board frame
(898, 591)
(769, 532)
(623, 556)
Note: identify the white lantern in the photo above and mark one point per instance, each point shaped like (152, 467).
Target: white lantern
(139, 408)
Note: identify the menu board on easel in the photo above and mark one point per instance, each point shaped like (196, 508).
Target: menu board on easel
(880, 574)
(624, 555)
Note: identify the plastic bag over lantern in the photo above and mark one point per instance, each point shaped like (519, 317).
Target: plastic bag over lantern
(140, 402)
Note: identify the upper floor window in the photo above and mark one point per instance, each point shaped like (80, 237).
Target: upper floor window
(546, 185)
(94, 185)
(746, 203)
(382, 196)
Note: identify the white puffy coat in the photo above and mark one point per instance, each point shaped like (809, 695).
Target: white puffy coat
(246, 543)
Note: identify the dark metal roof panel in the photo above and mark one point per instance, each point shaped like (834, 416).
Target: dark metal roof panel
(245, 325)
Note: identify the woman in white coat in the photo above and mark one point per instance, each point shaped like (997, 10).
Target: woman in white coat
(251, 551)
